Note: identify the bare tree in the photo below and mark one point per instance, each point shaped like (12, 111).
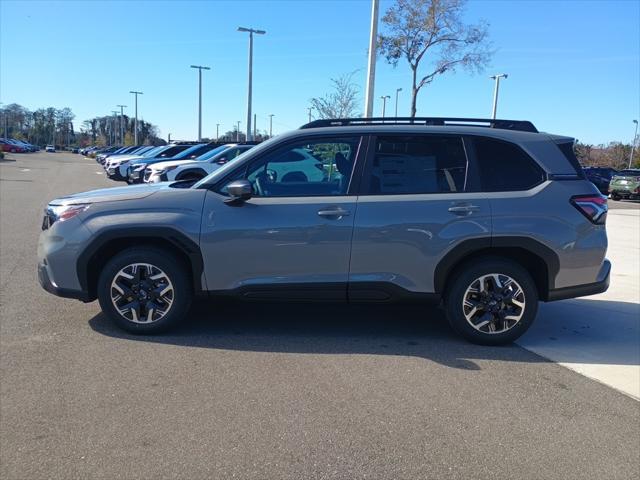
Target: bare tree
(433, 29)
(342, 102)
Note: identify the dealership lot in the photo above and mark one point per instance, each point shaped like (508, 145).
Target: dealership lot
(295, 391)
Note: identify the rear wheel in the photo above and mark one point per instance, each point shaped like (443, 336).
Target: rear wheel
(491, 301)
(144, 290)
(615, 196)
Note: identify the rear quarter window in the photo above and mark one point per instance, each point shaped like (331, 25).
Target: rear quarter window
(505, 167)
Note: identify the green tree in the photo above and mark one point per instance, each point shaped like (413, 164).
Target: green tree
(433, 32)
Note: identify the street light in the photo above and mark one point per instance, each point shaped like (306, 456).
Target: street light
(251, 31)
(238, 132)
(217, 131)
(371, 66)
(122, 107)
(135, 125)
(200, 68)
(633, 145)
(309, 112)
(384, 103)
(495, 92)
(398, 90)
(271, 125)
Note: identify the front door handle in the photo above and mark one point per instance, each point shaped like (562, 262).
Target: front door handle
(333, 212)
(464, 209)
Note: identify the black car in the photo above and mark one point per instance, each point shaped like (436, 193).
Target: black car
(600, 177)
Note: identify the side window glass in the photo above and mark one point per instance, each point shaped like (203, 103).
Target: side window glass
(418, 164)
(319, 167)
(505, 167)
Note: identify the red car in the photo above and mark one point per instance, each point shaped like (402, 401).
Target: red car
(8, 146)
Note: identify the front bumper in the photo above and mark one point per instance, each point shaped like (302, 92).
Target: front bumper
(136, 176)
(49, 286)
(114, 174)
(599, 286)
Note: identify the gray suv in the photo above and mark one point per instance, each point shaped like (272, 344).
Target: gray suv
(486, 217)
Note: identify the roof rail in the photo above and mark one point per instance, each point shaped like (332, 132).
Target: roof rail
(521, 125)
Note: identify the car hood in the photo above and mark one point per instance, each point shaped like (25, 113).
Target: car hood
(123, 158)
(131, 192)
(171, 163)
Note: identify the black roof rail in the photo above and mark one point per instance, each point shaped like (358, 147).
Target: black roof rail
(521, 125)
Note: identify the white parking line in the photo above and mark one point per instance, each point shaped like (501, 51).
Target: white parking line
(25, 169)
(99, 173)
(599, 336)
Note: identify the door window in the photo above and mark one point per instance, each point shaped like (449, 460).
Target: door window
(321, 167)
(417, 164)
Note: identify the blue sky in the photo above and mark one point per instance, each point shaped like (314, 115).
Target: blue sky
(574, 66)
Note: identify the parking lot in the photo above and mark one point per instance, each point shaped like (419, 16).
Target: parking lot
(305, 391)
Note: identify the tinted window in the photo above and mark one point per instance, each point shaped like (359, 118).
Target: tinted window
(505, 167)
(171, 151)
(306, 168)
(418, 164)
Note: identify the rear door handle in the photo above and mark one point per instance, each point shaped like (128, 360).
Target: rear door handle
(464, 209)
(333, 212)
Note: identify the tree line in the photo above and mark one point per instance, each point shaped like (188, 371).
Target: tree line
(56, 126)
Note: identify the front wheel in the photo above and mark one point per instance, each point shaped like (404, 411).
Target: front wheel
(491, 301)
(615, 196)
(144, 290)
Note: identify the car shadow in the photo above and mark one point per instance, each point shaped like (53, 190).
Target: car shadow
(325, 328)
(415, 330)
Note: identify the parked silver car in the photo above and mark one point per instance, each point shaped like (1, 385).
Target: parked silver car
(485, 216)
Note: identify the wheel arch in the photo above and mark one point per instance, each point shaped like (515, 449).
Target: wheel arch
(186, 172)
(111, 242)
(540, 261)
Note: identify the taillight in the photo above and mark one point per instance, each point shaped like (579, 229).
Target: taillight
(594, 207)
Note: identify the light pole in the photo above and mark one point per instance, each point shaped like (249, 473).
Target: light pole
(113, 126)
(495, 92)
(122, 107)
(309, 111)
(200, 68)
(633, 145)
(371, 68)
(270, 125)
(217, 131)
(135, 125)
(251, 31)
(384, 103)
(238, 132)
(398, 90)
(255, 126)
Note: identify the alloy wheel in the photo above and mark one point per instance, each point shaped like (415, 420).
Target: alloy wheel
(142, 293)
(493, 303)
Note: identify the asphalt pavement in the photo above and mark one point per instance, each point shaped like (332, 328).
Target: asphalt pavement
(275, 390)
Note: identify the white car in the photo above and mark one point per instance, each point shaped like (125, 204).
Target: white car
(50, 149)
(193, 169)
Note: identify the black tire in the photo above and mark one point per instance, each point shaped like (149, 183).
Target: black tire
(615, 196)
(464, 277)
(175, 271)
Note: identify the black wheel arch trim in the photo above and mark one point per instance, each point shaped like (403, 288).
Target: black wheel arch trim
(469, 247)
(186, 246)
(184, 173)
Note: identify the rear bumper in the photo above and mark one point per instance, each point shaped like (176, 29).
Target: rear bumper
(601, 285)
(49, 286)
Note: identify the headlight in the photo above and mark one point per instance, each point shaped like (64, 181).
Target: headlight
(60, 213)
(138, 167)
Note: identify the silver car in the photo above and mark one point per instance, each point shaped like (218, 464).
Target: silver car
(486, 217)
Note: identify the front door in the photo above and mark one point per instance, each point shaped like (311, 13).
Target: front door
(293, 236)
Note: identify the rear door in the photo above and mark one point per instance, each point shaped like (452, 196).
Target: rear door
(419, 199)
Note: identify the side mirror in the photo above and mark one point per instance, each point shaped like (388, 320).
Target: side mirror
(239, 191)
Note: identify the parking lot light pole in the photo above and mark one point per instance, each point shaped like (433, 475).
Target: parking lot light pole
(371, 68)
(122, 107)
(217, 131)
(384, 103)
(633, 144)
(135, 125)
(495, 92)
(398, 90)
(238, 132)
(251, 31)
(270, 125)
(309, 111)
(200, 68)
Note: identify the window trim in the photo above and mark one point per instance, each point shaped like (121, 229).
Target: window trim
(354, 181)
(371, 152)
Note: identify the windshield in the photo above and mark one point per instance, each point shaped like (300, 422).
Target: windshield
(211, 153)
(188, 151)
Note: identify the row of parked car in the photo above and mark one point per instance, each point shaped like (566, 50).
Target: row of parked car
(618, 185)
(12, 145)
(176, 161)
